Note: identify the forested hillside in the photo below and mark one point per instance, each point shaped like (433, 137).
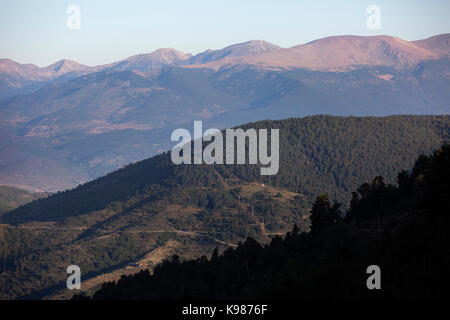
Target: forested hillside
(11, 198)
(131, 219)
(320, 154)
(402, 229)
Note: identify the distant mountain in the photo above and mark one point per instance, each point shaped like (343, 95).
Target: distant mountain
(147, 62)
(143, 213)
(339, 53)
(16, 78)
(33, 72)
(439, 45)
(236, 50)
(63, 67)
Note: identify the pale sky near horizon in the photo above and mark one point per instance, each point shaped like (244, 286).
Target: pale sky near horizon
(36, 31)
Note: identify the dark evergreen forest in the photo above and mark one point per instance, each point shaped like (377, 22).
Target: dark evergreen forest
(403, 229)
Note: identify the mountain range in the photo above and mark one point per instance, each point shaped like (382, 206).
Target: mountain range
(16, 78)
(68, 123)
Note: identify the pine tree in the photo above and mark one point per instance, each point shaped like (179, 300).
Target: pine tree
(322, 214)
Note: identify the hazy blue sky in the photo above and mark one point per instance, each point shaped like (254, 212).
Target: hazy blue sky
(36, 31)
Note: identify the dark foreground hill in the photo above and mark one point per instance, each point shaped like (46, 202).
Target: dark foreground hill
(133, 218)
(403, 230)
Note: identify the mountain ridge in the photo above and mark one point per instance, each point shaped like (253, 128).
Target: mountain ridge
(438, 43)
(234, 50)
(338, 53)
(147, 61)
